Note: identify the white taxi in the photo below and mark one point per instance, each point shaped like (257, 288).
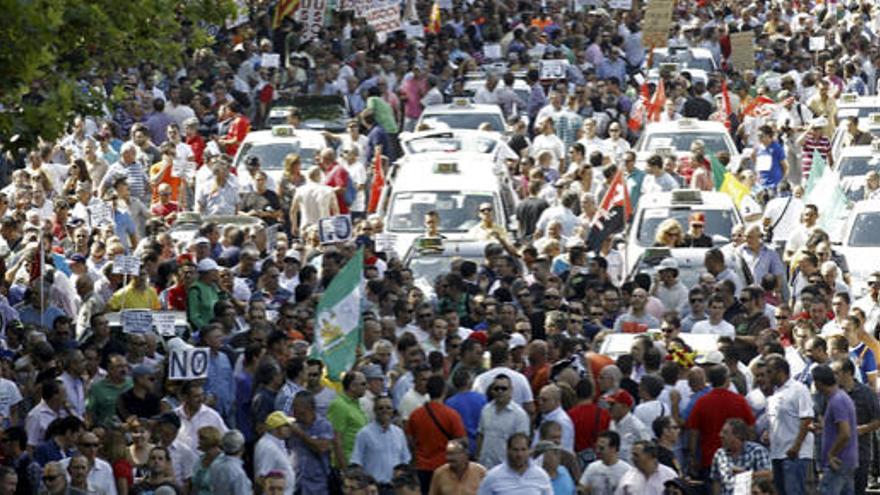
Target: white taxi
(860, 243)
(454, 186)
(869, 124)
(462, 114)
(721, 217)
(272, 146)
(853, 105)
(853, 165)
(676, 138)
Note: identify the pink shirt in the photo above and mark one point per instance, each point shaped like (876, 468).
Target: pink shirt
(414, 89)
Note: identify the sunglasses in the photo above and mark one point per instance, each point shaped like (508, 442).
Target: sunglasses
(485, 210)
(744, 300)
(551, 296)
(500, 388)
(697, 300)
(49, 477)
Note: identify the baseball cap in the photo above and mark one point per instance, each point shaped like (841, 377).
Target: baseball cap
(711, 357)
(668, 264)
(620, 397)
(545, 446)
(207, 265)
(698, 217)
(199, 240)
(168, 418)
(232, 442)
(77, 258)
(293, 254)
(373, 372)
(479, 336)
(141, 370)
(516, 340)
(277, 419)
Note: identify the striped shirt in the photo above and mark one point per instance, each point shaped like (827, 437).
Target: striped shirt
(138, 182)
(812, 144)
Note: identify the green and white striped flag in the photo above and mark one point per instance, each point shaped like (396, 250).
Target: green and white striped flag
(823, 190)
(338, 321)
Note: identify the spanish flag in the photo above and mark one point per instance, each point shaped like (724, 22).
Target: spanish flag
(433, 26)
(282, 10)
(378, 181)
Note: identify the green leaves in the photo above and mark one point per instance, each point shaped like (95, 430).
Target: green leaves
(51, 49)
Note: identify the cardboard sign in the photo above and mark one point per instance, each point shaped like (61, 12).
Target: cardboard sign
(164, 323)
(335, 229)
(492, 51)
(656, 23)
(126, 265)
(188, 364)
(270, 60)
(742, 47)
(136, 320)
(817, 43)
(311, 15)
(101, 213)
(554, 69)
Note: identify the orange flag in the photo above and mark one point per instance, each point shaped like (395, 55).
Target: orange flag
(433, 26)
(657, 103)
(282, 10)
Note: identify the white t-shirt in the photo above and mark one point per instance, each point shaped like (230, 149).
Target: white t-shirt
(358, 174)
(10, 395)
(723, 328)
(602, 479)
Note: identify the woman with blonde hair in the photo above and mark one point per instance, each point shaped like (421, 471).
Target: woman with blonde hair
(209, 445)
(669, 234)
(115, 451)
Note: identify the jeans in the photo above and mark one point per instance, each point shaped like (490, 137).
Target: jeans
(790, 476)
(838, 482)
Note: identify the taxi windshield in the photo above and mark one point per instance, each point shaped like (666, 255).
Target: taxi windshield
(681, 141)
(865, 230)
(272, 155)
(856, 166)
(457, 210)
(464, 120)
(431, 266)
(718, 222)
(450, 145)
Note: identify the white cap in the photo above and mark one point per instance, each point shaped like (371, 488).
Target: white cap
(207, 265)
(199, 240)
(516, 340)
(668, 264)
(711, 357)
(293, 254)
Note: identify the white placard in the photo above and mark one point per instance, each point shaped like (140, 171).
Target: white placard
(445, 4)
(385, 243)
(311, 14)
(188, 364)
(164, 323)
(414, 31)
(136, 320)
(817, 43)
(620, 4)
(101, 213)
(335, 229)
(383, 16)
(270, 60)
(554, 69)
(492, 51)
(742, 483)
(126, 265)
(763, 163)
(184, 169)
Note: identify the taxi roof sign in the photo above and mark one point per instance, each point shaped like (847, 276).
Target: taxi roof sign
(874, 119)
(461, 102)
(687, 122)
(429, 244)
(283, 131)
(875, 146)
(849, 97)
(446, 168)
(669, 67)
(687, 196)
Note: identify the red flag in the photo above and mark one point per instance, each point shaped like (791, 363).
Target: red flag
(758, 106)
(657, 103)
(725, 99)
(378, 181)
(617, 195)
(637, 117)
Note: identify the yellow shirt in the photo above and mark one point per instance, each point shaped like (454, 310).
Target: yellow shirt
(130, 298)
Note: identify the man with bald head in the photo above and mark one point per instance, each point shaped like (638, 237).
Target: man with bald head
(550, 402)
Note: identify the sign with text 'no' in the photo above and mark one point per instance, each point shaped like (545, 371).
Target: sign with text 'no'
(188, 364)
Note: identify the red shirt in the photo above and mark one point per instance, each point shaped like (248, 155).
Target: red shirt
(708, 416)
(237, 131)
(161, 210)
(198, 144)
(338, 177)
(589, 420)
(430, 441)
(177, 298)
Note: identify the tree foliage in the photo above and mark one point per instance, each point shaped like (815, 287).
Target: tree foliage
(54, 49)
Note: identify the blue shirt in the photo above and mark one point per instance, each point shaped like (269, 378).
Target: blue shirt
(244, 391)
(864, 360)
(378, 450)
(764, 262)
(469, 404)
(124, 228)
(220, 383)
(694, 398)
(30, 315)
(401, 387)
(771, 177)
(313, 468)
(840, 408)
(562, 483)
(376, 137)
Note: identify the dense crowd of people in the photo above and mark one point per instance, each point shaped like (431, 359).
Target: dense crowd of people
(494, 380)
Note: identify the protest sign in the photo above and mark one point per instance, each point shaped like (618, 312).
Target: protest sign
(188, 364)
(335, 229)
(136, 320)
